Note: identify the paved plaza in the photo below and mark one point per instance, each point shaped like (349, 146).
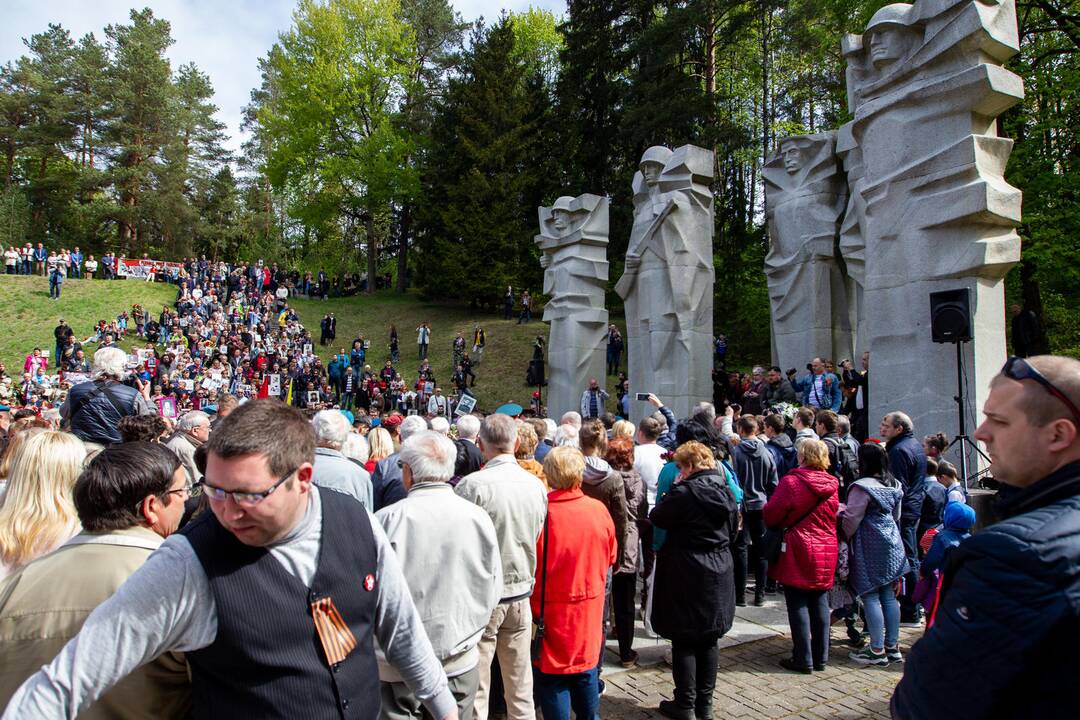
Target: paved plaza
(750, 684)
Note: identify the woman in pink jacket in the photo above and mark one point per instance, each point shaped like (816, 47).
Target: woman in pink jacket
(805, 504)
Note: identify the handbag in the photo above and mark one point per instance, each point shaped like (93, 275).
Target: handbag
(537, 643)
(772, 541)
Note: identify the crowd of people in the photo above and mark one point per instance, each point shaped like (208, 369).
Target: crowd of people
(474, 568)
(232, 333)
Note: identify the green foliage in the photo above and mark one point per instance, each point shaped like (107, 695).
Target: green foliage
(483, 176)
(537, 42)
(378, 137)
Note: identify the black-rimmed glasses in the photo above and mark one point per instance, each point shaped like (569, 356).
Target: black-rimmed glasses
(246, 499)
(1017, 368)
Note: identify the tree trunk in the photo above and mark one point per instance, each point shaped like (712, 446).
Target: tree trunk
(1030, 291)
(405, 230)
(372, 251)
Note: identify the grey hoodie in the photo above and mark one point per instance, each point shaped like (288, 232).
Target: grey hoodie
(756, 471)
(605, 484)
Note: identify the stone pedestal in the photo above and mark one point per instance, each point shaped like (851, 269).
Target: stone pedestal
(573, 238)
(930, 208)
(805, 197)
(667, 286)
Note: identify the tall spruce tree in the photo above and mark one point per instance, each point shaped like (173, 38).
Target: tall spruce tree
(479, 176)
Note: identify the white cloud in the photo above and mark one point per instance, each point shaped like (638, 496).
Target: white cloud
(224, 39)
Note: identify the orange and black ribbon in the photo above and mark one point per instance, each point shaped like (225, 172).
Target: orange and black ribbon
(336, 637)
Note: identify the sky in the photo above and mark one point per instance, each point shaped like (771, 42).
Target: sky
(225, 39)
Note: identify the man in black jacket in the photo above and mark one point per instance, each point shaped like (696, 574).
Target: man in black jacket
(93, 410)
(1008, 617)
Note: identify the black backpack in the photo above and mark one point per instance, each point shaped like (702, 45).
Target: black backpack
(846, 469)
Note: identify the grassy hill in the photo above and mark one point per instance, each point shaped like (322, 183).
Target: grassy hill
(500, 377)
(27, 319)
(28, 316)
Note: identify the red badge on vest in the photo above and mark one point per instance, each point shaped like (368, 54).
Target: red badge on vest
(369, 582)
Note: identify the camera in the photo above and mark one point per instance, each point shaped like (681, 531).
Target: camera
(641, 396)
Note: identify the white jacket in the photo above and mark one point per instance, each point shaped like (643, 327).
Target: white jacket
(450, 557)
(516, 502)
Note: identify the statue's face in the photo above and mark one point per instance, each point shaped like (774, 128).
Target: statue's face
(560, 219)
(793, 157)
(651, 172)
(888, 44)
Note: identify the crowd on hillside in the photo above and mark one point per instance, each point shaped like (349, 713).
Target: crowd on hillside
(232, 332)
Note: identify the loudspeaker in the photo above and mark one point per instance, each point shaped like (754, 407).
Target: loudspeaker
(950, 316)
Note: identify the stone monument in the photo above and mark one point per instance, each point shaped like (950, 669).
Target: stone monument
(573, 240)
(929, 208)
(667, 286)
(805, 197)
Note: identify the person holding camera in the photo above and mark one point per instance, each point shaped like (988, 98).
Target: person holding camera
(593, 399)
(93, 410)
(820, 389)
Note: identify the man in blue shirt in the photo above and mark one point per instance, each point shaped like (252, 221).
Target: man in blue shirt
(75, 269)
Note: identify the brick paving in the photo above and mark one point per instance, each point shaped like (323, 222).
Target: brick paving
(750, 684)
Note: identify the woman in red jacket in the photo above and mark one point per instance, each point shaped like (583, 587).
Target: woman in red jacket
(576, 548)
(805, 504)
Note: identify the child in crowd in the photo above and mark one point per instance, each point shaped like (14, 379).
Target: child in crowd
(959, 519)
(947, 476)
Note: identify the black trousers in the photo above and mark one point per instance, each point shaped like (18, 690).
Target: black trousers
(747, 554)
(808, 616)
(693, 668)
(623, 587)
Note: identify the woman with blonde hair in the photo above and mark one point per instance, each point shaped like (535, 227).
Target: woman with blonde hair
(803, 507)
(19, 430)
(694, 582)
(380, 447)
(623, 429)
(574, 552)
(526, 451)
(38, 514)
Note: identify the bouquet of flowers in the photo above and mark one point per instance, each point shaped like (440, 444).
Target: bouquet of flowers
(785, 409)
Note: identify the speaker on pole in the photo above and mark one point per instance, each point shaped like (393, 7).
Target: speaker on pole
(950, 316)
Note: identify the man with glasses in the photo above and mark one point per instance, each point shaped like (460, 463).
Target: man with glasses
(276, 596)
(1008, 616)
(129, 498)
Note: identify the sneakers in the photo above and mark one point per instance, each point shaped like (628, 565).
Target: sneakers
(893, 653)
(867, 656)
(630, 661)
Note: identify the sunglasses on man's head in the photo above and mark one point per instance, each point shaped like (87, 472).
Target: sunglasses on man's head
(1017, 368)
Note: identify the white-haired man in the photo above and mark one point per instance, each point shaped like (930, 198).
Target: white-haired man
(332, 469)
(469, 458)
(386, 481)
(516, 502)
(450, 556)
(192, 430)
(440, 425)
(93, 410)
(573, 418)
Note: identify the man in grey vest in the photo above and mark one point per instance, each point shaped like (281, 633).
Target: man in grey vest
(275, 595)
